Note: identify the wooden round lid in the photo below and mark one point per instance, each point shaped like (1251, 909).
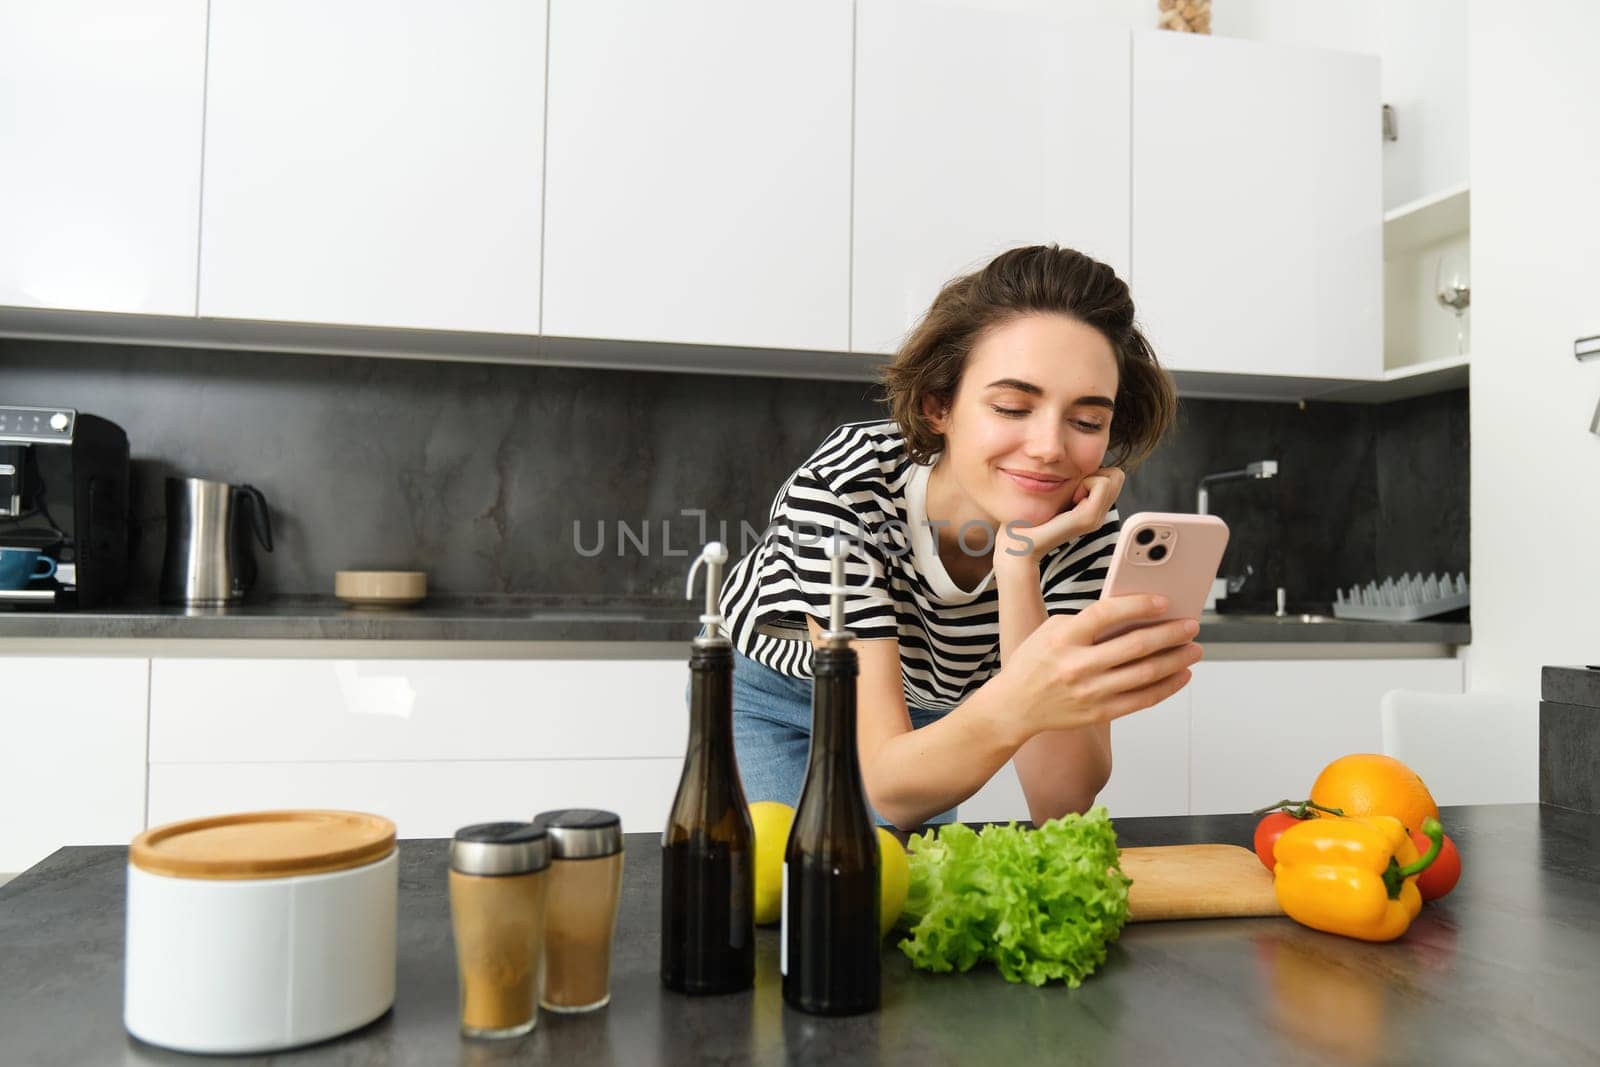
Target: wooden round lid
(263, 844)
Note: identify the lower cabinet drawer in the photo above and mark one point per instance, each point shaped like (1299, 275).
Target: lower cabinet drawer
(376, 710)
(425, 799)
(1149, 770)
(72, 758)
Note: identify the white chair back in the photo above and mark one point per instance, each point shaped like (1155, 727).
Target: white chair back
(1469, 748)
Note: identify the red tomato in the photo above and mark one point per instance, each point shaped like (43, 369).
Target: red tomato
(1268, 830)
(1443, 873)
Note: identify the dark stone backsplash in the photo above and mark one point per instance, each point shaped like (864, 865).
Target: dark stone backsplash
(1363, 491)
(477, 473)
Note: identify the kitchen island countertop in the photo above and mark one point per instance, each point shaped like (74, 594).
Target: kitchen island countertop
(1504, 971)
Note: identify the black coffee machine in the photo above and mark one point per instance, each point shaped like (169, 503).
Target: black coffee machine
(64, 491)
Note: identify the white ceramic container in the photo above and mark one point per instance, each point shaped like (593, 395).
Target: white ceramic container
(238, 942)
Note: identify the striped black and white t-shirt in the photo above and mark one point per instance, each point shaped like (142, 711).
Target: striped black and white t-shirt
(861, 483)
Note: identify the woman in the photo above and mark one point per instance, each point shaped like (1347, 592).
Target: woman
(980, 518)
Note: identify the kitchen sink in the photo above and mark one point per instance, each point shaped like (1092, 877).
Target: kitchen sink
(579, 615)
(1294, 618)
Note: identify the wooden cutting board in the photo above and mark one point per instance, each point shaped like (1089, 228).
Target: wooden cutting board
(1196, 882)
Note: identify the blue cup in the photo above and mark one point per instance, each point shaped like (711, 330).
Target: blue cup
(19, 566)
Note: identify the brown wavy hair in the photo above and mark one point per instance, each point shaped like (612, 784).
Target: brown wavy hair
(1038, 278)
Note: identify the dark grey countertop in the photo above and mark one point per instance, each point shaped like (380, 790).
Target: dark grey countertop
(1503, 971)
(488, 618)
(565, 618)
(1571, 685)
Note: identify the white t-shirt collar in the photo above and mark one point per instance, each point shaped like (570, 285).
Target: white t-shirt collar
(925, 545)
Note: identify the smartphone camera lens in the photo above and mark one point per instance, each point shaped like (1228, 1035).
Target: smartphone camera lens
(1145, 536)
(1159, 552)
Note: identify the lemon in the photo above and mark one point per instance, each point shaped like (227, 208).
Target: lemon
(771, 821)
(894, 880)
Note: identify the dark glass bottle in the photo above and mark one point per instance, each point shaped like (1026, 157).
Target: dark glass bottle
(830, 940)
(708, 848)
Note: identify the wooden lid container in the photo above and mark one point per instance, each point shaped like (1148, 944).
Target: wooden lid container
(263, 844)
(261, 931)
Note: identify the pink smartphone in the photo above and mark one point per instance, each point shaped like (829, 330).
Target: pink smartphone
(1169, 553)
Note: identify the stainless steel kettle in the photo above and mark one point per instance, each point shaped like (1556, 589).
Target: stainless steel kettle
(209, 559)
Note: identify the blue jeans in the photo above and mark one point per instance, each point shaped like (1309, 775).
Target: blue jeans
(772, 733)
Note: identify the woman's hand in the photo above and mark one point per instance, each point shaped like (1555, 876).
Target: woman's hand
(1086, 513)
(1059, 679)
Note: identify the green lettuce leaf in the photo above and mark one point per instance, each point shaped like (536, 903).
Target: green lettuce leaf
(1039, 904)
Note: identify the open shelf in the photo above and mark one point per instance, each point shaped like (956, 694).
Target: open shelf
(1426, 221)
(1415, 379)
(1442, 365)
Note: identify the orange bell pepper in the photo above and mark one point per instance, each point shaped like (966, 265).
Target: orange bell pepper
(1356, 877)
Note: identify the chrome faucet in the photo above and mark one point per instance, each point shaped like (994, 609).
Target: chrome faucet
(1227, 585)
(1266, 468)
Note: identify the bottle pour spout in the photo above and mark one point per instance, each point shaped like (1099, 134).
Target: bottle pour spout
(714, 556)
(836, 635)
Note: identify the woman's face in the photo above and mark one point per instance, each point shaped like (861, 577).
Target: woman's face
(1031, 417)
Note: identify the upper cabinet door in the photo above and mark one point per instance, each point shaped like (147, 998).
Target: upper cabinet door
(977, 131)
(698, 172)
(1257, 207)
(100, 111)
(374, 162)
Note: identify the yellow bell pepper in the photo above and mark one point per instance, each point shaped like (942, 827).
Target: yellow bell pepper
(1356, 877)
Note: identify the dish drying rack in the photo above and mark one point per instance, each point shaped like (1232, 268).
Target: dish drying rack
(1404, 599)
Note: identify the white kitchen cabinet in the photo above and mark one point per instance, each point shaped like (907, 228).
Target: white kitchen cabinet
(374, 162)
(1149, 770)
(424, 798)
(697, 181)
(1150, 761)
(376, 710)
(977, 131)
(100, 114)
(1257, 207)
(432, 744)
(438, 743)
(72, 768)
(1261, 731)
